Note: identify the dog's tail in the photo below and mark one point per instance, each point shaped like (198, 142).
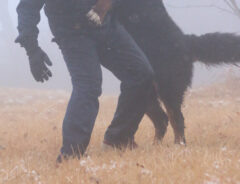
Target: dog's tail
(214, 48)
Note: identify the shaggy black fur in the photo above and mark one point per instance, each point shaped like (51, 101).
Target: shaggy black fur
(172, 55)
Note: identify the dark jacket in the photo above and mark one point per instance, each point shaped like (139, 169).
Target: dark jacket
(66, 17)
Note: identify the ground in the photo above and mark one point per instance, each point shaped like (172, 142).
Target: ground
(30, 138)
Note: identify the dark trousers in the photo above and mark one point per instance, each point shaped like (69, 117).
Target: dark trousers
(112, 47)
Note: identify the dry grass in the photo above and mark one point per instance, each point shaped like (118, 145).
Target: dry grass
(30, 138)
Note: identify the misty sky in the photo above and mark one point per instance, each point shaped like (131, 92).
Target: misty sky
(188, 15)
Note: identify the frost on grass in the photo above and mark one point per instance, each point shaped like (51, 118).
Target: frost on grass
(93, 169)
(21, 171)
(90, 167)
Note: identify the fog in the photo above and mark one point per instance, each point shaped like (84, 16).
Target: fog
(190, 15)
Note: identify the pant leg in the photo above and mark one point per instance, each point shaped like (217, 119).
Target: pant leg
(84, 67)
(128, 63)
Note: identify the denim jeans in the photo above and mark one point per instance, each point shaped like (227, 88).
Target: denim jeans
(112, 47)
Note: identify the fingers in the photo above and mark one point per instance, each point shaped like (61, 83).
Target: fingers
(38, 78)
(49, 73)
(43, 76)
(94, 17)
(46, 74)
(47, 60)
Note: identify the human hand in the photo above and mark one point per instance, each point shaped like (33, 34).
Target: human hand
(38, 61)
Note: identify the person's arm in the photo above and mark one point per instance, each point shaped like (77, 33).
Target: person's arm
(100, 10)
(28, 19)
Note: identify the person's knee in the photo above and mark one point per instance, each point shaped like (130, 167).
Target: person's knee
(147, 76)
(87, 87)
(142, 78)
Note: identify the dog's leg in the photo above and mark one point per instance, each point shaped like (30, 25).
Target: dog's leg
(157, 115)
(177, 121)
(159, 119)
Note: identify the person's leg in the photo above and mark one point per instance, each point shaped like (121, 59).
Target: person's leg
(84, 67)
(128, 63)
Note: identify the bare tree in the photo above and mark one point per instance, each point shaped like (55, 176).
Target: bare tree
(234, 6)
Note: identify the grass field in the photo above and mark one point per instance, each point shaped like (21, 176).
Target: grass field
(30, 138)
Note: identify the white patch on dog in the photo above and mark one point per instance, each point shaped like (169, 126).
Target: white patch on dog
(94, 17)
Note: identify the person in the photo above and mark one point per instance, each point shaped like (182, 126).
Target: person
(85, 48)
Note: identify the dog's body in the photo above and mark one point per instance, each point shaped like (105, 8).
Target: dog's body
(172, 54)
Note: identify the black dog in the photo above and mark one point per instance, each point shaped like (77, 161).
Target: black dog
(172, 54)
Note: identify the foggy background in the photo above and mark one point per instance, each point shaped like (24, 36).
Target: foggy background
(192, 16)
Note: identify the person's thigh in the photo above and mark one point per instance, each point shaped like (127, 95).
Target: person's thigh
(83, 64)
(124, 58)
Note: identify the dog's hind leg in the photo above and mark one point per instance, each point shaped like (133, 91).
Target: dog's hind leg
(158, 117)
(177, 121)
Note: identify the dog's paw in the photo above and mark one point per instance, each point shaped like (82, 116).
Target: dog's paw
(94, 17)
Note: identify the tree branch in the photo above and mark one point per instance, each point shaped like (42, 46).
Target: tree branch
(232, 4)
(232, 7)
